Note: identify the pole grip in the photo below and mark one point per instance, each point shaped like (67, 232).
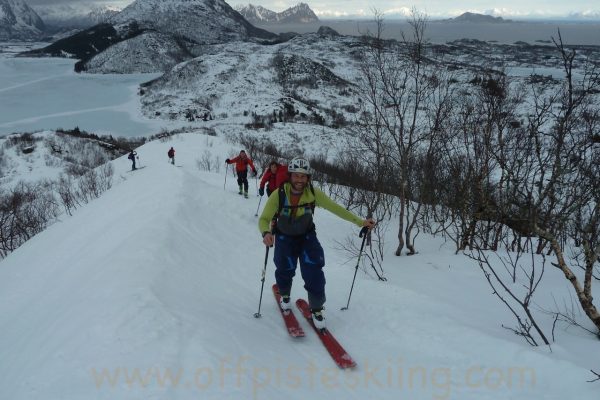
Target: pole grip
(363, 231)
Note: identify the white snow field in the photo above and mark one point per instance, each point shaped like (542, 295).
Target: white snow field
(149, 293)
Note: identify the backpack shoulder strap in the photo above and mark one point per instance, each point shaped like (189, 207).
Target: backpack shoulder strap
(282, 197)
(312, 205)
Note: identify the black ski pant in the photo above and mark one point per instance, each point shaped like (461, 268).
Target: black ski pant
(242, 179)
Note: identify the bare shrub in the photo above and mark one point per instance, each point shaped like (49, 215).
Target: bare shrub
(515, 285)
(3, 162)
(67, 193)
(25, 210)
(209, 163)
(94, 182)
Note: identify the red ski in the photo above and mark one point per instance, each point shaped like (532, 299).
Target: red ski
(337, 352)
(292, 324)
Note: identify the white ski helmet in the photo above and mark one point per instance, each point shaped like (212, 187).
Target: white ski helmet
(299, 165)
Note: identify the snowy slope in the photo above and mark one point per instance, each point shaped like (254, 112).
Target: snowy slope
(310, 72)
(148, 52)
(162, 274)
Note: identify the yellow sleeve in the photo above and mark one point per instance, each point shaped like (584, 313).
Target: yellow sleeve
(264, 221)
(323, 201)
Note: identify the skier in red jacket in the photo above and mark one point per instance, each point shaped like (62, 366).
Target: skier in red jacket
(241, 168)
(275, 176)
(171, 154)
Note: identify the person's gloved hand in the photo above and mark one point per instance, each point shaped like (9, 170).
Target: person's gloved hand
(254, 173)
(228, 161)
(261, 191)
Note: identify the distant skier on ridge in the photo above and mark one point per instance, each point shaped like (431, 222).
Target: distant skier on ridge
(242, 161)
(132, 156)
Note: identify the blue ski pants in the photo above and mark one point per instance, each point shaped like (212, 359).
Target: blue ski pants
(306, 249)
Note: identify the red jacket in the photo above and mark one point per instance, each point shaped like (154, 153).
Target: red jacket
(171, 153)
(270, 179)
(275, 180)
(241, 164)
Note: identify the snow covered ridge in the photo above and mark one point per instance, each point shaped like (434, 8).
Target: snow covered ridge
(308, 78)
(131, 297)
(45, 175)
(18, 21)
(204, 21)
(300, 13)
(147, 52)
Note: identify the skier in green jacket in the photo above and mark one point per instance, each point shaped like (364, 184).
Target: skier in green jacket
(294, 236)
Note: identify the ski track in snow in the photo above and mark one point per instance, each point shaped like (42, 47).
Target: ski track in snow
(31, 82)
(61, 114)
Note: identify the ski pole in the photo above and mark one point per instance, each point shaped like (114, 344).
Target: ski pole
(257, 208)
(262, 286)
(226, 172)
(363, 235)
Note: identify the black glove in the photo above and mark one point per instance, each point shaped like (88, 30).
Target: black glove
(228, 161)
(261, 191)
(254, 173)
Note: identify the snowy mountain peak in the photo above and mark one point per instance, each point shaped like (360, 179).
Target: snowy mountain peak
(154, 35)
(256, 13)
(205, 21)
(300, 13)
(102, 14)
(19, 21)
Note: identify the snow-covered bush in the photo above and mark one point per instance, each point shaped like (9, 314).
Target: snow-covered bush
(208, 162)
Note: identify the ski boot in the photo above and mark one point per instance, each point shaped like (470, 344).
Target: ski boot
(285, 303)
(318, 318)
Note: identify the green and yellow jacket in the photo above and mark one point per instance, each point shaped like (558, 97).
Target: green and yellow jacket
(301, 222)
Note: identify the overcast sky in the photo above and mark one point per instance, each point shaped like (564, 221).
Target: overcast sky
(433, 8)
